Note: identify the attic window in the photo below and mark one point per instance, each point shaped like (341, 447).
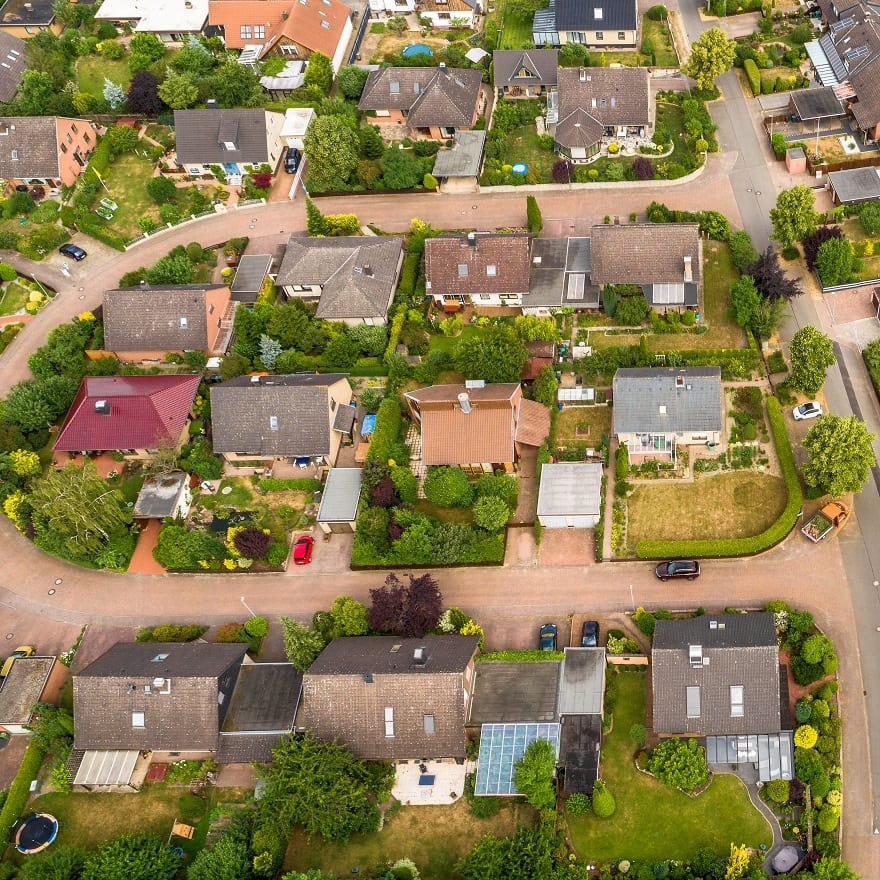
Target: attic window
(693, 702)
(597, 13)
(462, 270)
(662, 409)
(737, 710)
(184, 323)
(228, 145)
(326, 25)
(394, 87)
(395, 649)
(159, 658)
(389, 721)
(4, 129)
(491, 270)
(273, 423)
(429, 723)
(137, 719)
(14, 154)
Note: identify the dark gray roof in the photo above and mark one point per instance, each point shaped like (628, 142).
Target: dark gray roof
(273, 415)
(464, 158)
(703, 666)
(506, 692)
(596, 15)
(173, 690)
(816, 103)
(539, 64)
(856, 184)
(343, 418)
(33, 142)
(22, 687)
(390, 655)
(652, 399)
(357, 274)
(27, 12)
(866, 83)
(582, 688)
(12, 65)
(265, 699)
(238, 749)
(158, 496)
(580, 737)
(252, 270)
(153, 318)
(560, 274)
(342, 492)
(201, 136)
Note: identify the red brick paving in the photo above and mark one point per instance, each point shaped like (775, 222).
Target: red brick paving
(142, 561)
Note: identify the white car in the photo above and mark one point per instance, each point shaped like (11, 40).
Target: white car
(809, 410)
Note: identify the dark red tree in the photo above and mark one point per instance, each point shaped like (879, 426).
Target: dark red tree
(770, 278)
(562, 171)
(252, 542)
(642, 168)
(383, 494)
(813, 242)
(143, 94)
(262, 179)
(408, 610)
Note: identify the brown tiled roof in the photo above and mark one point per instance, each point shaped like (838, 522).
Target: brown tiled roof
(540, 63)
(232, 14)
(12, 65)
(477, 252)
(316, 24)
(180, 713)
(28, 147)
(533, 366)
(533, 425)
(867, 87)
(452, 6)
(430, 96)
(152, 318)
(453, 437)
(644, 253)
(350, 688)
(202, 134)
(578, 129)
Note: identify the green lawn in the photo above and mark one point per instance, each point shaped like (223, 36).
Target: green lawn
(439, 342)
(582, 426)
(445, 514)
(654, 821)
(434, 837)
(125, 180)
(516, 30)
(658, 32)
(92, 70)
(522, 145)
(13, 298)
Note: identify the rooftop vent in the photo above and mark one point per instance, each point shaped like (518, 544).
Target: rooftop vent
(368, 270)
(464, 402)
(679, 381)
(255, 380)
(713, 624)
(472, 239)
(102, 407)
(420, 656)
(662, 409)
(159, 658)
(368, 678)
(695, 655)
(212, 104)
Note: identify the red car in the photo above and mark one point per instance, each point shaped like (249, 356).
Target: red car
(302, 550)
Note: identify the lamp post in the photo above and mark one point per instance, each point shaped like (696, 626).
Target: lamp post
(249, 609)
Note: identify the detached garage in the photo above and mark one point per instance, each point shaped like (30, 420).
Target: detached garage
(569, 495)
(339, 501)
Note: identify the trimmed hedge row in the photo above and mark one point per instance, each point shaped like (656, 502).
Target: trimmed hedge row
(20, 788)
(754, 76)
(395, 331)
(756, 543)
(871, 355)
(270, 484)
(519, 656)
(386, 430)
(410, 270)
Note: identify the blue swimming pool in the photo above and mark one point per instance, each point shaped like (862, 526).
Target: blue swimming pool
(368, 424)
(417, 49)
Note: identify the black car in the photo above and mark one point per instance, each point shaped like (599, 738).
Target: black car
(72, 250)
(678, 568)
(291, 160)
(590, 634)
(547, 637)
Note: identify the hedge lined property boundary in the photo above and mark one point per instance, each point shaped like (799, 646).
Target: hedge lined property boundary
(270, 484)
(519, 656)
(20, 789)
(385, 431)
(756, 543)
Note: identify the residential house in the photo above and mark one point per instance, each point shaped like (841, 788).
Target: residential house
(569, 495)
(352, 278)
(599, 102)
(719, 676)
(146, 323)
(302, 416)
(164, 496)
(847, 56)
(478, 427)
(232, 138)
(852, 186)
(25, 18)
(30, 680)
(49, 150)
(449, 13)
(177, 701)
(658, 409)
(390, 698)
(480, 268)
(12, 64)
(387, 8)
(134, 415)
(664, 259)
(595, 23)
(432, 102)
(169, 20)
(524, 73)
(559, 275)
(458, 168)
(290, 28)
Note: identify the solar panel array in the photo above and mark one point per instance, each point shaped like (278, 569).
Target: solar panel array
(501, 746)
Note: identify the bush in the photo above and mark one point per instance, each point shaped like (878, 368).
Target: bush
(578, 804)
(828, 818)
(777, 141)
(658, 13)
(491, 513)
(680, 763)
(753, 75)
(778, 790)
(171, 632)
(631, 311)
(257, 627)
(644, 621)
(386, 430)
(252, 542)
(604, 805)
(230, 633)
(802, 711)
(805, 736)
(448, 487)
(19, 791)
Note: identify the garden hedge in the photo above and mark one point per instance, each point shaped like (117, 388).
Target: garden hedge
(754, 76)
(386, 430)
(17, 798)
(396, 328)
(309, 484)
(756, 543)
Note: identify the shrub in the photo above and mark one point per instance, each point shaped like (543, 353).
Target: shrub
(386, 429)
(7, 272)
(448, 487)
(491, 513)
(621, 465)
(578, 804)
(604, 805)
(657, 13)
(171, 632)
(252, 542)
(777, 141)
(632, 310)
(779, 790)
(638, 733)
(802, 711)
(644, 621)
(230, 633)
(257, 627)
(753, 75)
(19, 791)
(805, 736)
(680, 763)
(828, 818)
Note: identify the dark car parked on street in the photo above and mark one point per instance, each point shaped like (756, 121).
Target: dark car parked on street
(678, 568)
(547, 637)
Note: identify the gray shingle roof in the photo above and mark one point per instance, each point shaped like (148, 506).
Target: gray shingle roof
(856, 184)
(560, 269)
(596, 15)
(867, 87)
(153, 318)
(201, 135)
(357, 274)
(244, 412)
(741, 651)
(431, 96)
(28, 147)
(181, 712)
(464, 158)
(648, 399)
(540, 64)
(12, 65)
(355, 655)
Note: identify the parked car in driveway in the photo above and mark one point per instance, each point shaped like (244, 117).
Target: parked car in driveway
(20, 651)
(547, 637)
(810, 410)
(590, 634)
(72, 250)
(678, 568)
(291, 160)
(302, 550)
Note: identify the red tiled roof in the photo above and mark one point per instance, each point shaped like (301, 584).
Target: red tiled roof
(146, 412)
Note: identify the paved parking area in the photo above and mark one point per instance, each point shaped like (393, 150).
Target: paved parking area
(851, 305)
(566, 547)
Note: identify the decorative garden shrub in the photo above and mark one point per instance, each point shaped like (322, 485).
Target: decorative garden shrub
(604, 805)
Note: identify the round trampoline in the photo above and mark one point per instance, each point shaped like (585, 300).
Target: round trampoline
(417, 49)
(36, 833)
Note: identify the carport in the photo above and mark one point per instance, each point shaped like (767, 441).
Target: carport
(506, 692)
(339, 501)
(569, 495)
(102, 768)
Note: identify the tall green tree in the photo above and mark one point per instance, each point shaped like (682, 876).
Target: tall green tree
(351, 80)
(744, 300)
(139, 856)
(35, 405)
(179, 90)
(319, 73)
(301, 644)
(545, 386)
(533, 774)
(528, 855)
(834, 261)
(841, 454)
(533, 215)
(80, 507)
(811, 353)
(496, 356)
(332, 148)
(711, 55)
(794, 216)
(236, 85)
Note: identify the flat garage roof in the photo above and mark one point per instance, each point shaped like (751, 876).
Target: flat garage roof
(510, 692)
(265, 698)
(570, 489)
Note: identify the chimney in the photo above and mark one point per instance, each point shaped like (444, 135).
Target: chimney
(582, 74)
(443, 66)
(285, 15)
(688, 270)
(464, 402)
(679, 381)
(102, 407)
(368, 270)
(420, 656)
(212, 103)
(187, 4)
(472, 239)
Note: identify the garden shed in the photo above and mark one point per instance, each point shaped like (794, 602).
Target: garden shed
(339, 502)
(569, 495)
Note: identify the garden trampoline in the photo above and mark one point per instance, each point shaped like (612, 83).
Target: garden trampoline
(35, 833)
